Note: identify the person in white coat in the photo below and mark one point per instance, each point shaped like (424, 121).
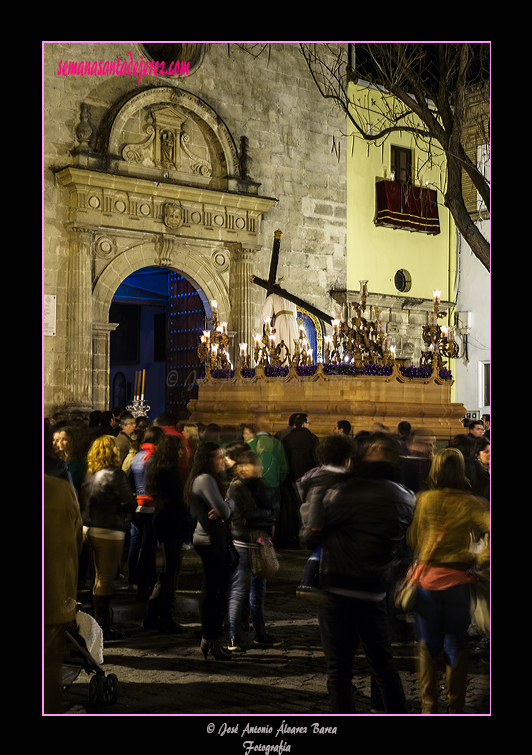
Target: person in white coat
(285, 323)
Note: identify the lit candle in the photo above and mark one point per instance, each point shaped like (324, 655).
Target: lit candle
(214, 305)
(436, 293)
(243, 349)
(392, 350)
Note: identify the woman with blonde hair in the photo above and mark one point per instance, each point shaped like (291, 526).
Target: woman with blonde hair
(107, 506)
(446, 516)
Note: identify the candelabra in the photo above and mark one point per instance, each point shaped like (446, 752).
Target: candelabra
(439, 340)
(362, 342)
(302, 352)
(212, 349)
(138, 407)
(266, 351)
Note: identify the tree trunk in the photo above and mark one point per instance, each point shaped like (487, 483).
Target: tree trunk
(454, 202)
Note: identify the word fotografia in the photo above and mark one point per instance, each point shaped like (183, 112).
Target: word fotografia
(123, 68)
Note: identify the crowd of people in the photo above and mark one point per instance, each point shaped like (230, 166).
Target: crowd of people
(368, 506)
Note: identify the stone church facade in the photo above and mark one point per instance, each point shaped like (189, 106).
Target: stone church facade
(192, 172)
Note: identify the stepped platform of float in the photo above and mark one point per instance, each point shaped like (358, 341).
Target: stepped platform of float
(361, 399)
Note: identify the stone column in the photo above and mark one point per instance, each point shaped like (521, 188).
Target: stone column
(101, 340)
(78, 382)
(242, 298)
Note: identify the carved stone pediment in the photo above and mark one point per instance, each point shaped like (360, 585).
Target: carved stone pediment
(173, 142)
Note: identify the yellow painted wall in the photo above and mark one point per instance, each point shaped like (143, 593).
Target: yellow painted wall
(375, 254)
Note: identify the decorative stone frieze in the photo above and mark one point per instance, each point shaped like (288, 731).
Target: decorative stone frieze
(106, 201)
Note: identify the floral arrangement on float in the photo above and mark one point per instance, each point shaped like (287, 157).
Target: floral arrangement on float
(373, 370)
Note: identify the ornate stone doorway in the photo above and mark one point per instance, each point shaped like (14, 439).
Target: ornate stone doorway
(161, 182)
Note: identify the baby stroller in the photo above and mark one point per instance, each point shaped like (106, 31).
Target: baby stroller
(83, 632)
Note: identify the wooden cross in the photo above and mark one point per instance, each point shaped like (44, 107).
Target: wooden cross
(273, 288)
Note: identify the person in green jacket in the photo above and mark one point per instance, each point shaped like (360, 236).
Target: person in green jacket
(274, 466)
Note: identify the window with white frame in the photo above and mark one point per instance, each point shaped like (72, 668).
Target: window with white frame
(484, 387)
(483, 164)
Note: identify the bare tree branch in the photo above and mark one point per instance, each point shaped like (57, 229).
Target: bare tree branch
(429, 83)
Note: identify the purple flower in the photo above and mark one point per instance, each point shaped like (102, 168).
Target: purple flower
(306, 369)
(424, 372)
(376, 369)
(222, 374)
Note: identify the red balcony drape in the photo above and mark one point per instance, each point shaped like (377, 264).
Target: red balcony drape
(400, 205)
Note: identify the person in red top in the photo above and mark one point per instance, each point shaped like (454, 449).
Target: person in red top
(143, 547)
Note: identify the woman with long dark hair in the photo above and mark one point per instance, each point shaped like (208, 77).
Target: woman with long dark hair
(205, 498)
(70, 446)
(164, 485)
(446, 516)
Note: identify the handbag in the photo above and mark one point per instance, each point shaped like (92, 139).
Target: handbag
(480, 604)
(263, 558)
(405, 592)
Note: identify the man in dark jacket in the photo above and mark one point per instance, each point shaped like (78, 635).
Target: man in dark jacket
(364, 519)
(300, 446)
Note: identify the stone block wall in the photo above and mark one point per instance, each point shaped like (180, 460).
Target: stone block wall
(272, 100)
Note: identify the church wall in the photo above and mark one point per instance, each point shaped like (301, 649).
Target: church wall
(271, 100)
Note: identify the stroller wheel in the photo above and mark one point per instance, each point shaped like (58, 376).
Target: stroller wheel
(96, 690)
(110, 689)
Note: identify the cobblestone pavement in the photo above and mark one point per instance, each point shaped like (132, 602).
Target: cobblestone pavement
(166, 674)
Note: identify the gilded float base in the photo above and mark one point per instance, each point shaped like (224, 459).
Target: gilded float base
(364, 401)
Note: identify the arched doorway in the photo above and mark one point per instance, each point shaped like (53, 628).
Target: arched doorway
(160, 317)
